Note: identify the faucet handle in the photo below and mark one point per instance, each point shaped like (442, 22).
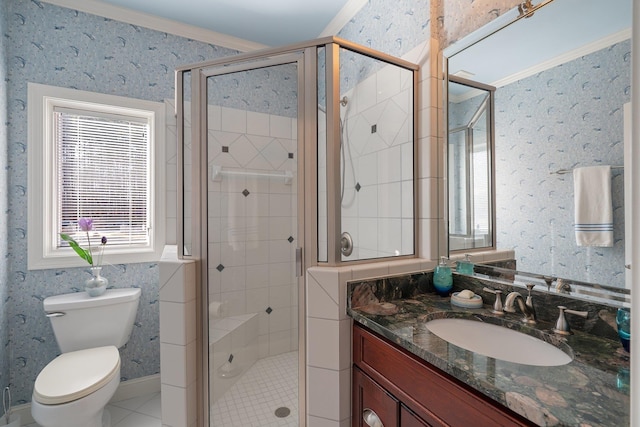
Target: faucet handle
(497, 305)
(562, 326)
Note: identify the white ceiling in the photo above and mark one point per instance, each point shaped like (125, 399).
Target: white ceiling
(266, 22)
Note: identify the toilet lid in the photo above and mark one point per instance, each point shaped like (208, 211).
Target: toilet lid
(76, 374)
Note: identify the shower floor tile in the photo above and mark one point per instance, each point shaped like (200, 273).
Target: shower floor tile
(271, 383)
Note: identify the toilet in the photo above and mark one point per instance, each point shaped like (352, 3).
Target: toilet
(73, 389)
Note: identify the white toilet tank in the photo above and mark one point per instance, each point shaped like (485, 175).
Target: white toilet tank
(80, 321)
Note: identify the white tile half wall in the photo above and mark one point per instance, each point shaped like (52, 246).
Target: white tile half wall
(329, 337)
(178, 339)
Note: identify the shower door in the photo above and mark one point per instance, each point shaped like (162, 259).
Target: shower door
(253, 224)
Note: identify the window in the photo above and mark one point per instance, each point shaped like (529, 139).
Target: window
(96, 156)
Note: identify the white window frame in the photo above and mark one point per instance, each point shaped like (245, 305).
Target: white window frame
(42, 237)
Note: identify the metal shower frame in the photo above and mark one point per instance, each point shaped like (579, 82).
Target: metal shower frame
(305, 54)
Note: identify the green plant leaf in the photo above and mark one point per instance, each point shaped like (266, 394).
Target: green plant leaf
(82, 253)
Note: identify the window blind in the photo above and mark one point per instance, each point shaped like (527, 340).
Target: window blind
(103, 174)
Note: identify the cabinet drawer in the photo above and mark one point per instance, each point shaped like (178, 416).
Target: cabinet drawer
(433, 395)
(369, 396)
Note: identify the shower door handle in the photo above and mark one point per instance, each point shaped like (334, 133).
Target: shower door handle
(299, 270)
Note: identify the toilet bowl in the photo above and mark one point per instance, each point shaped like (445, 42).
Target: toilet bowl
(74, 388)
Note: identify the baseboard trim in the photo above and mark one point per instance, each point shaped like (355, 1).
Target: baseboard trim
(137, 387)
(126, 390)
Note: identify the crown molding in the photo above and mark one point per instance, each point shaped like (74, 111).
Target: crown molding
(347, 12)
(566, 57)
(553, 62)
(157, 23)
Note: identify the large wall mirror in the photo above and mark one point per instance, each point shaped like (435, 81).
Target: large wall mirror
(562, 79)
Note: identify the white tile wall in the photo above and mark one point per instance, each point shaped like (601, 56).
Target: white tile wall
(177, 339)
(381, 162)
(248, 233)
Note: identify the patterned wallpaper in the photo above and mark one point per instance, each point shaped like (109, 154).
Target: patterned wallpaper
(454, 19)
(62, 47)
(565, 117)
(393, 27)
(279, 97)
(4, 288)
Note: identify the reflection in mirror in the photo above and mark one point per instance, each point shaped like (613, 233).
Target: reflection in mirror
(610, 295)
(469, 156)
(562, 79)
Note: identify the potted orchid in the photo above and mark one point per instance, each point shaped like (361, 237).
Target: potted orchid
(96, 285)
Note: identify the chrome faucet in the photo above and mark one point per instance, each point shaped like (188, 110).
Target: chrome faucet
(526, 309)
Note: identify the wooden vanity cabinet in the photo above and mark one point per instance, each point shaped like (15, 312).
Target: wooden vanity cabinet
(370, 396)
(405, 391)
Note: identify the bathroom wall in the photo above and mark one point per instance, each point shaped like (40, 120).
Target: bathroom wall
(61, 47)
(574, 119)
(4, 187)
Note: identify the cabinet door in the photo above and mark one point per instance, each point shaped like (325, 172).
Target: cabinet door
(372, 405)
(409, 419)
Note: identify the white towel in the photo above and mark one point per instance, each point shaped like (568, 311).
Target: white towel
(593, 212)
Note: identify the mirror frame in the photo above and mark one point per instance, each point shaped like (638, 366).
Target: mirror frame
(490, 147)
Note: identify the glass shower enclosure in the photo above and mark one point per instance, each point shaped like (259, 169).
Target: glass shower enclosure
(275, 147)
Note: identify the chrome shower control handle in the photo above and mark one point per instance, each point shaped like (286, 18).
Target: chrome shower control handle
(371, 419)
(346, 244)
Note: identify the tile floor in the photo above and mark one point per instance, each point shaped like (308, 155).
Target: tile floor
(271, 383)
(142, 411)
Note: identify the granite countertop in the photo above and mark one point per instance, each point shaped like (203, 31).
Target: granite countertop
(592, 390)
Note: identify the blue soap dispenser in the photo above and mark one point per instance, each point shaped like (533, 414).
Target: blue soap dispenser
(465, 266)
(442, 278)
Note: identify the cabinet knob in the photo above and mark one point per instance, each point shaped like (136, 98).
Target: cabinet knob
(371, 418)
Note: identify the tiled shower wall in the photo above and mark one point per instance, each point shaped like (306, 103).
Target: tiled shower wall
(252, 220)
(377, 207)
(252, 223)
(377, 151)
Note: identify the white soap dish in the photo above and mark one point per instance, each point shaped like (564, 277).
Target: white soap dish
(473, 302)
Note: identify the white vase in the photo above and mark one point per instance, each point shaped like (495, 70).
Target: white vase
(96, 285)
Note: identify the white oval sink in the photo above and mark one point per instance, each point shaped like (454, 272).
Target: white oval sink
(498, 342)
